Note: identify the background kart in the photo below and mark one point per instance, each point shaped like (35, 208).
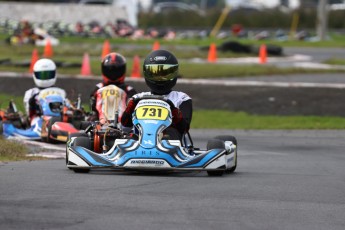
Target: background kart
(55, 123)
(150, 151)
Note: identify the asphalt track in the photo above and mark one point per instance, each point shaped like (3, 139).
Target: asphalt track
(284, 180)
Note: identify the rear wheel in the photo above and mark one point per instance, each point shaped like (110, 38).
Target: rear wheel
(81, 170)
(215, 173)
(227, 138)
(1, 128)
(50, 124)
(233, 168)
(215, 144)
(81, 125)
(234, 141)
(81, 134)
(83, 142)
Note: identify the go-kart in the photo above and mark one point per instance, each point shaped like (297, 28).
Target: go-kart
(13, 116)
(150, 151)
(54, 124)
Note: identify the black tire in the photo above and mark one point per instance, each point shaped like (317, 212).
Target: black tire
(234, 141)
(81, 170)
(1, 128)
(232, 169)
(17, 123)
(49, 127)
(84, 125)
(215, 144)
(81, 134)
(215, 173)
(83, 142)
(274, 50)
(227, 138)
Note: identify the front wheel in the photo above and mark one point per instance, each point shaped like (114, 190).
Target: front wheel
(50, 124)
(215, 144)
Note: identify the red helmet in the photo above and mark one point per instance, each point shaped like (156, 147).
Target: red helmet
(113, 69)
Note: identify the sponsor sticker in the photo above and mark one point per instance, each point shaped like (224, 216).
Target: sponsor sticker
(147, 162)
(160, 58)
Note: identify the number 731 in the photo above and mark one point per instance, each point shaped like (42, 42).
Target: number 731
(152, 112)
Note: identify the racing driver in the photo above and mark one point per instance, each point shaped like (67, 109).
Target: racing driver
(160, 70)
(113, 73)
(44, 76)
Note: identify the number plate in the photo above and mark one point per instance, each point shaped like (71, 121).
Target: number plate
(152, 113)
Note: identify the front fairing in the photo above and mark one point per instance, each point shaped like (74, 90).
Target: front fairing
(34, 132)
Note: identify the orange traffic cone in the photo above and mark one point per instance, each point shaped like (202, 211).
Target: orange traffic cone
(85, 67)
(106, 48)
(263, 54)
(156, 46)
(48, 50)
(212, 53)
(136, 67)
(34, 58)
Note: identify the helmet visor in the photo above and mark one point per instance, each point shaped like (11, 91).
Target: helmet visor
(45, 75)
(160, 72)
(114, 72)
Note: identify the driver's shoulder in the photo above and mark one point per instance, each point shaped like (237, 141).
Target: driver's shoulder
(180, 95)
(139, 95)
(32, 91)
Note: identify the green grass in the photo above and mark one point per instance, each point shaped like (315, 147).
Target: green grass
(5, 99)
(335, 61)
(219, 119)
(335, 40)
(12, 151)
(222, 119)
(72, 49)
(209, 70)
(190, 70)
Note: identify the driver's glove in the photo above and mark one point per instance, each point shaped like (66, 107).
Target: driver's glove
(34, 108)
(33, 102)
(175, 112)
(131, 106)
(126, 119)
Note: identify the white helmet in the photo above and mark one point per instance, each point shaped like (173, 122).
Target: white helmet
(44, 73)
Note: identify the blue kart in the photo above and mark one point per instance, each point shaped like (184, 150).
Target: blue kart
(150, 151)
(54, 123)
